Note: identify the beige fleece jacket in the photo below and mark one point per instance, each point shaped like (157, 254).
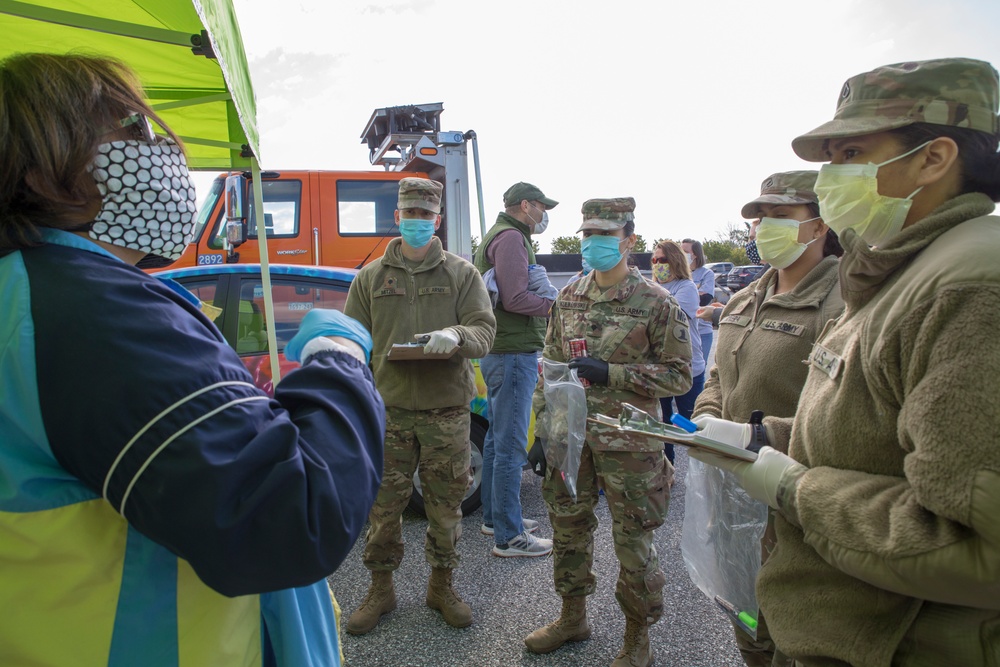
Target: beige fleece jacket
(889, 543)
(396, 301)
(763, 346)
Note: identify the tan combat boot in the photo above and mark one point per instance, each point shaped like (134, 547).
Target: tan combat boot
(571, 626)
(442, 597)
(381, 599)
(635, 652)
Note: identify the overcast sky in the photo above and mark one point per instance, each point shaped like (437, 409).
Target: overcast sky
(685, 106)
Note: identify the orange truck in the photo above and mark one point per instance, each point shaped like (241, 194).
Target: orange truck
(341, 218)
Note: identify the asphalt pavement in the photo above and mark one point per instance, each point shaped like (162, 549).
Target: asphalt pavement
(510, 597)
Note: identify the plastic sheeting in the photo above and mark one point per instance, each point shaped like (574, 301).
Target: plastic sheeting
(563, 423)
(721, 541)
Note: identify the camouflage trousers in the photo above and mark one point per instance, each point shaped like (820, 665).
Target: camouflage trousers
(438, 442)
(637, 487)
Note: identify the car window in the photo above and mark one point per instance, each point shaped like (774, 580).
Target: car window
(293, 298)
(207, 291)
(365, 208)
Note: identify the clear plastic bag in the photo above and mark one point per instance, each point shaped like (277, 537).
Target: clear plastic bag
(721, 541)
(563, 424)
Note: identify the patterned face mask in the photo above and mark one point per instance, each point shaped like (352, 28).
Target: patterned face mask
(149, 199)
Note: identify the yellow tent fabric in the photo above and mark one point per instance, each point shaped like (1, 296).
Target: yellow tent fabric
(206, 99)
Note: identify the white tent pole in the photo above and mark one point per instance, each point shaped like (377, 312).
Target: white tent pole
(265, 272)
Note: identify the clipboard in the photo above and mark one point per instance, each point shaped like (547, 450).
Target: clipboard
(415, 352)
(634, 420)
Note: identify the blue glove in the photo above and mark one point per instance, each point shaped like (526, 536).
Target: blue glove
(328, 322)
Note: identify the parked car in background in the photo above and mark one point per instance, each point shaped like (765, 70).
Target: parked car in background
(235, 296)
(741, 276)
(721, 271)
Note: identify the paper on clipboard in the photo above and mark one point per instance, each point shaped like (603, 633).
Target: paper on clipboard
(634, 420)
(415, 352)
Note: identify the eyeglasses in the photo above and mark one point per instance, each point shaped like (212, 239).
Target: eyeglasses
(141, 123)
(659, 260)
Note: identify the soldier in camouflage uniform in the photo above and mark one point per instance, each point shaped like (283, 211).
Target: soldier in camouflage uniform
(639, 347)
(418, 287)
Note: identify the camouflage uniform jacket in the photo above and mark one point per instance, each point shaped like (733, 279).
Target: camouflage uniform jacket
(760, 359)
(638, 328)
(395, 302)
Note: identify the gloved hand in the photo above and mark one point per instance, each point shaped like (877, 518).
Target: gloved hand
(440, 342)
(536, 458)
(762, 478)
(721, 430)
(328, 322)
(593, 370)
(332, 343)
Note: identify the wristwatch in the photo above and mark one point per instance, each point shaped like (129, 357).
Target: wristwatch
(758, 434)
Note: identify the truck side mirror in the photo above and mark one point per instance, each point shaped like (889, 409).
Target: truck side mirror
(236, 222)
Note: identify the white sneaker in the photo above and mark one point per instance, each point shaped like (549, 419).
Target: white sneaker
(529, 527)
(526, 545)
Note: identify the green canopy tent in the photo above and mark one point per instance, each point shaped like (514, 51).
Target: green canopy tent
(189, 55)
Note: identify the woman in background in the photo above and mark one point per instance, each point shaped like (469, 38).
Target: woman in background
(704, 279)
(671, 271)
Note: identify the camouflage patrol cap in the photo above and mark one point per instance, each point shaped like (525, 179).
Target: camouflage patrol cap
(787, 187)
(958, 92)
(420, 193)
(607, 214)
(522, 191)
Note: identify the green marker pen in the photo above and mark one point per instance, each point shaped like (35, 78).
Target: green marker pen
(743, 618)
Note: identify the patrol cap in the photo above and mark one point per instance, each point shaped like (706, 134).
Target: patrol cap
(607, 214)
(420, 193)
(786, 187)
(958, 92)
(522, 191)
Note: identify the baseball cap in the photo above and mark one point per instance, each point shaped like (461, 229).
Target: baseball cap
(420, 193)
(526, 191)
(958, 92)
(607, 214)
(787, 187)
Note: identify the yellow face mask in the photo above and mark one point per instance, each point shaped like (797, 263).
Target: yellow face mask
(778, 241)
(849, 199)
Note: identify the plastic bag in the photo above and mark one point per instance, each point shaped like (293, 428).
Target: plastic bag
(563, 424)
(721, 541)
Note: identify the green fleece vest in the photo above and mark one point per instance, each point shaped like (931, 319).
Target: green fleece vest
(515, 332)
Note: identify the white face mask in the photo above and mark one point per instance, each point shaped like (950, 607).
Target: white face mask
(690, 257)
(149, 200)
(539, 227)
(778, 241)
(849, 199)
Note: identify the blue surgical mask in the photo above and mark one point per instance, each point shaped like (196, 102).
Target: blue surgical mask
(587, 268)
(601, 252)
(416, 232)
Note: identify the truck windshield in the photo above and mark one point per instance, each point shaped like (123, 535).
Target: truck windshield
(207, 206)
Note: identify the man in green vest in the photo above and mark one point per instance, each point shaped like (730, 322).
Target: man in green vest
(511, 367)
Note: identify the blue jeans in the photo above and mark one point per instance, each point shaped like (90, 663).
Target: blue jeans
(685, 407)
(510, 382)
(706, 347)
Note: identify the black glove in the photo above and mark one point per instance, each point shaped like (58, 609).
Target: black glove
(593, 370)
(705, 299)
(536, 458)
